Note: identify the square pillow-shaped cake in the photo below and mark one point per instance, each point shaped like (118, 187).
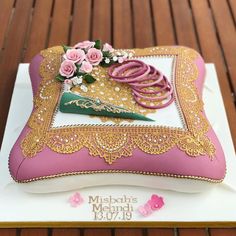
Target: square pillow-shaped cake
(178, 150)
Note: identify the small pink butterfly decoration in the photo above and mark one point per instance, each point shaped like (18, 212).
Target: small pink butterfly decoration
(76, 200)
(155, 203)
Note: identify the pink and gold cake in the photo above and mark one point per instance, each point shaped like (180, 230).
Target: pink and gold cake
(175, 148)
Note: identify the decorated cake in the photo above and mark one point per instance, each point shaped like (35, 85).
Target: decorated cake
(105, 116)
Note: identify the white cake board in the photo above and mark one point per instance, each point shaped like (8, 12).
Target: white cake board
(216, 207)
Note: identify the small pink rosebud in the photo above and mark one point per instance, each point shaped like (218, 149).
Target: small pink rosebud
(145, 210)
(76, 200)
(107, 48)
(120, 59)
(68, 81)
(85, 44)
(86, 67)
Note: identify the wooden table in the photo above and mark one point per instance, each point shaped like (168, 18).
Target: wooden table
(27, 26)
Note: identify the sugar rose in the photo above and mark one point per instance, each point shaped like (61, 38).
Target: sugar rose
(86, 67)
(94, 56)
(108, 48)
(85, 44)
(67, 68)
(75, 55)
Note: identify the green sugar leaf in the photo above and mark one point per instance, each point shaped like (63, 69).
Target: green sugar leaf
(107, 54)
(65, 48)
(60, 78)
(78, 73)
(89, 79)
(98, 44)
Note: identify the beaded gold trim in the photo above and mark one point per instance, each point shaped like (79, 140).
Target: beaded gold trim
(113, 142)
(122, 172)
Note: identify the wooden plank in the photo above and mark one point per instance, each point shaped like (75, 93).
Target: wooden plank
(97, 232)
(232, 6)
(34, 232)
(212, 53)
(39, 28)
(65, 232)
(8, 232)
(227, 35)
(122, 24)
(5, 13)
(192, 232)
(11, 56)
(222, 232)
(163, 23)
(160, 232)
(143, 28)
(184, 24)
(59, 33)
(81, 21)
(101, 28)
(129, 232)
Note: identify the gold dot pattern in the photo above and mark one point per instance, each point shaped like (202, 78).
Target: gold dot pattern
(113, 92)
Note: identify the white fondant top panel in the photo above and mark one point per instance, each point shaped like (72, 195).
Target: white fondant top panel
(169, 116)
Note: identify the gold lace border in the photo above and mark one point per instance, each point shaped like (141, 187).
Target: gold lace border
(113, 142)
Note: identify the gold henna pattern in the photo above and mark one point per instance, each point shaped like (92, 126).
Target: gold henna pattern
(96, 105)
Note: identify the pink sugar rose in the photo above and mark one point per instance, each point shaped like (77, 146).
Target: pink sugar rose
(85, 44)
(75, 55)
(94, 56)
(107, 47)
(86, 67)
(67, 68)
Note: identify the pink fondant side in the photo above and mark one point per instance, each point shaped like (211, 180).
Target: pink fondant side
(16, 157)
(47, 162)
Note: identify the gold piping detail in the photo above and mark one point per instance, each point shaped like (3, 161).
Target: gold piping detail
(96, 105)
(122, 172)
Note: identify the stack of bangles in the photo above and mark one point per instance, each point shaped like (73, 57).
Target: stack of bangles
(142, 79)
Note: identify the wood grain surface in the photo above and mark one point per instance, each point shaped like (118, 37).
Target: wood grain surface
(27, 26)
